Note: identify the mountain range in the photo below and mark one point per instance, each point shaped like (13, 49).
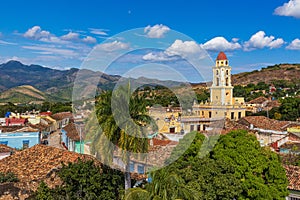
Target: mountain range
(35, 83)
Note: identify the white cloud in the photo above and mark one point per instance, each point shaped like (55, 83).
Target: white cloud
(292, 8)
(70, 36)
(183, 48)
(259, 40)
(294, 45)
(221, 44)
(159, 56)
(179, 49)
(52, 50)
(156, 31)
(96, 31)
(89, 39)
(36, 33)
(113, 46)
(7, 43)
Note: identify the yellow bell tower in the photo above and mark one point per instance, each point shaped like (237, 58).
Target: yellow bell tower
(221, 89)
(222, 104)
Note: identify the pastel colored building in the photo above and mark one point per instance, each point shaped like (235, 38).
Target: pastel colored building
(71, 138)
(21, 138)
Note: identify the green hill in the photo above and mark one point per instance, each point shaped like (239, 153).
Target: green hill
(281, 72)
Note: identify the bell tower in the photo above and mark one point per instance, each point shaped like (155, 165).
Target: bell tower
(221, 89)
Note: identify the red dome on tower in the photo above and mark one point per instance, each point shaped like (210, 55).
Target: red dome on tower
(222, 56)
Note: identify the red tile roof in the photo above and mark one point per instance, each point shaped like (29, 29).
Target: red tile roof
(45, 113)
(14, 129)
(266, 123)
(222, 56)
(36, 162)
(274, 103)
(5, 149)
(62, 115)
(258, 100)
(158, 142)
(293, 175)
(72, 132)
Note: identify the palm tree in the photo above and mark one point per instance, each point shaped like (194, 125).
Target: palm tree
(123, 119)
(169, 185)
(165, 185)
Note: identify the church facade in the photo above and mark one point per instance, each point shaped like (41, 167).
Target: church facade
(221, 104)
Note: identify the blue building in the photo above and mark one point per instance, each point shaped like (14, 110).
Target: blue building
(22, 138)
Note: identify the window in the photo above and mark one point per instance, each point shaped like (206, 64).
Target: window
(217, 72)
(172, 130)
(227, 82)
(218, 82)
(209, 114)
(4, 142)
(227, 72)
(232, 115)
(141, 169)
(192, 127)
(240, 115)
(203, 113)
(25, 144)
(131, 167)
(226, 62)
(198, 128)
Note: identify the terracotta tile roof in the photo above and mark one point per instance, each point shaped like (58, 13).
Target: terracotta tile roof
(62, 115)
(230, 125)
(39, 126)
(6, 129)
(258, 100)
(14, 129)
(265, 123)
(5, 149)
(45, 113)
(72, 132)
(38, 163)
(158, 142)
(27, 129)
(273, 104)
(293, 175)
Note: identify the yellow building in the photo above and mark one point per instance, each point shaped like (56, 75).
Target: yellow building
(221, 105)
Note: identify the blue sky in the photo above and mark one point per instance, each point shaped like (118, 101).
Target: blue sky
(61, 34)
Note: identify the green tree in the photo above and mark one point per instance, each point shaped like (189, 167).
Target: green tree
(123, 119)
(236, 168)
(43, 192)
(84, 180)
(258, 169)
